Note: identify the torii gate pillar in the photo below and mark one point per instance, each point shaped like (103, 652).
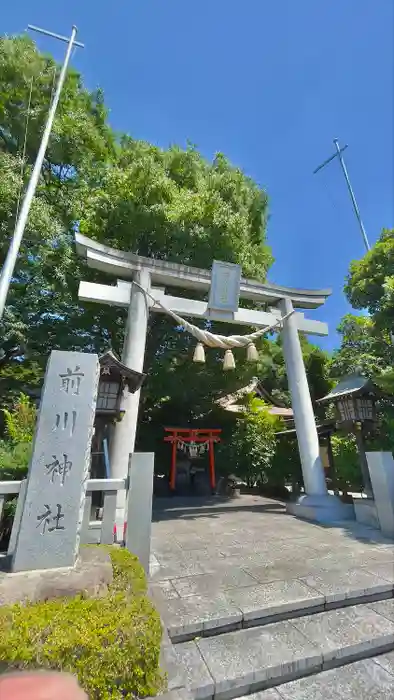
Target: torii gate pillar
(123, 440)
(316, 504)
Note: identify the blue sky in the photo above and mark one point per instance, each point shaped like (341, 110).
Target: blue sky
(269, 83)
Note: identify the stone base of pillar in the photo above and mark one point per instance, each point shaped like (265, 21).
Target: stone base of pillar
(321, 509)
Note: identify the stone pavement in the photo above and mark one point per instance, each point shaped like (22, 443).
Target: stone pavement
(252, 598)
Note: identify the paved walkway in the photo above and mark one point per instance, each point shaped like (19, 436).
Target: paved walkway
(198, 545)
(219, 566)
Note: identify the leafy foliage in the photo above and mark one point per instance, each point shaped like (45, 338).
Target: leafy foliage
(15, 452)
(363, 349)
(367, 341)
(347, 462)
(14, 460)
(41, 298)
(250, 450)
(21, 420)
(286, 464)
(127, 193)
(370, 284)
(195, 210)
(111, 644)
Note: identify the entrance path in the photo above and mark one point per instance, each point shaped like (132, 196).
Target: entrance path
(252, 598)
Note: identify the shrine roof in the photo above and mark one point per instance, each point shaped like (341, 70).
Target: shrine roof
(353, 384)
(124, 265)
(133, 379)
(229, 402)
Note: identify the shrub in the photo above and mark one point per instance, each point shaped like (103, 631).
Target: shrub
(14, 460)
(21, 420)
(347, 461)
(286, 464)
(250, 449)
(112, 644)
(16, 451)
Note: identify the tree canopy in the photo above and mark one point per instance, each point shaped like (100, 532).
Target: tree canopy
(127, 193)
(370, 284)
(364, 348)
(38, 311)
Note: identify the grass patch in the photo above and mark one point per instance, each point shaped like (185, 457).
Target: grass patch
(112, 644)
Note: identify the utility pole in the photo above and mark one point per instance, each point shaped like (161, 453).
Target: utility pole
(12, 255)
(338, 155)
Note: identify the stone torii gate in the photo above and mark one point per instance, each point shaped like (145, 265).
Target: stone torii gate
(152, 276)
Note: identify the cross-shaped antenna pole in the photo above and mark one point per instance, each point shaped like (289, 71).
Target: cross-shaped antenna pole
(339, 155)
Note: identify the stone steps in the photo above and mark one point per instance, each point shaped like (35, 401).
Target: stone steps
(271, 657)
(372, 679)
(222, 610)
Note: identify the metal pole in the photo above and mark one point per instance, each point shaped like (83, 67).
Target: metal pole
(338, 154)
(12, 255)
(353, 198)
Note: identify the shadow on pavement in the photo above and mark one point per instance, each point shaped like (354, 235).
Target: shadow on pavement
(191, 508)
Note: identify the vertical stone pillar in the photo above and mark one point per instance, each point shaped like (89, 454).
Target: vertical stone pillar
(304, 419)
(381, 469)
(139, 507)
(316, 504)
(123, 439)
(51, 522)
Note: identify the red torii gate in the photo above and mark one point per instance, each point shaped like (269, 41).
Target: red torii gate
(193, 436)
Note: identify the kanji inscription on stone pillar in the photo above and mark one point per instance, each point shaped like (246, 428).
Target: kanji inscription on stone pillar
(50, 528)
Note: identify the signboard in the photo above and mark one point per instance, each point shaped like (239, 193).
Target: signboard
(225, 284)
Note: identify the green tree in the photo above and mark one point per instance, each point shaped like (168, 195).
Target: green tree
(367, 344)
(42, 305)
(370, 284)
(363, 348)
(173, 204)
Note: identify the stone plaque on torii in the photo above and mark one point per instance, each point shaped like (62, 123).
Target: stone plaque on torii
(140, 279)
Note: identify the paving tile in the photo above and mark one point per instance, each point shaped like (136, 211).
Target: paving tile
(383, 569)
(278, 571)
(210, 583)
(270, 694)
(362, 680)
(195, 614)
(239, 659)
(382, 554)
(387, 662)
(178, 569)
(185, 556)
(346, 631)
(254, 547)
(385, 608)
(187, 668)
(336, 585)
(274, 598)
(163, 590)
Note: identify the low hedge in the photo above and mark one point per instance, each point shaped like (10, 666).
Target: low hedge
(112, 644)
